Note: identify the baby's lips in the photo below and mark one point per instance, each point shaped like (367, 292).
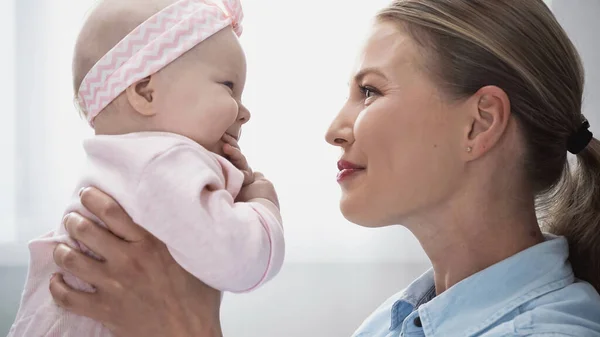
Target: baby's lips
(229, 139)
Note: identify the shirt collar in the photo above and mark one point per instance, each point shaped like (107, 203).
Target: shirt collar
(478, 301)
(418, 292)
(486, 296)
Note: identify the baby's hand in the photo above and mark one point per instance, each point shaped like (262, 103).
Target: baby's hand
(255, 187)
(260, 188)
(236, 157)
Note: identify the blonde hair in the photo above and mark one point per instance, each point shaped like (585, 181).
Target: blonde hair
(520, 47)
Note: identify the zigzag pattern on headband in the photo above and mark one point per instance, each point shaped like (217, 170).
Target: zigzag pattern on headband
(151, 46)
(234, 7)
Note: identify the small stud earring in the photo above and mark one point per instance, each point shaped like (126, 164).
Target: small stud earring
(469, 149)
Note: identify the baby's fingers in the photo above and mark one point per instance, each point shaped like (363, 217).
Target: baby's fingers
(248, 178)
(236, 157)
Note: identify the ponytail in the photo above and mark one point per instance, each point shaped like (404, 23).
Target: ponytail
(572, 209)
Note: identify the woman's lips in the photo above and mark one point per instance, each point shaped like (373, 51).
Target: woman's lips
(348, 170)
(346, 165)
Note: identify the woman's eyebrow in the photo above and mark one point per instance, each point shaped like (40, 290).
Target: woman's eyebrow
(364, 72)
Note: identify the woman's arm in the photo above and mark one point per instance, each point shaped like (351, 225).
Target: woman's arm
(141, 290)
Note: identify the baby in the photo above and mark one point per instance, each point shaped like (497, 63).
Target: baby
(161, 83)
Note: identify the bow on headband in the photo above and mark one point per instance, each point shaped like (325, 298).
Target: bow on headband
(152, 45)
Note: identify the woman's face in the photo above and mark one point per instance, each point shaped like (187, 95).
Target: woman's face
(399, 137)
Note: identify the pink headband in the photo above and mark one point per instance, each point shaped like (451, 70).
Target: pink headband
(153, 45)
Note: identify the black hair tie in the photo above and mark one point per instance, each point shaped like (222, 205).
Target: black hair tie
(580, 139)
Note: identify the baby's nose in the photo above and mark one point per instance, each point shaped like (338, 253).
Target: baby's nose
(244, 114)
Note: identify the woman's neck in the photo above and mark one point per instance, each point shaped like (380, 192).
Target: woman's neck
(474, 232)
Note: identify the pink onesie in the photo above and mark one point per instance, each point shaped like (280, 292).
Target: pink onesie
(182, 194)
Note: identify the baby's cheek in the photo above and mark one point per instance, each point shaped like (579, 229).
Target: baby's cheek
(223, 115)
(229, 114)
(233, 110)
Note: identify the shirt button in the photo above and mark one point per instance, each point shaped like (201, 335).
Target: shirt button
(417, 322)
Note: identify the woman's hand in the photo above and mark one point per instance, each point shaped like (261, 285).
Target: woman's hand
(140, 289)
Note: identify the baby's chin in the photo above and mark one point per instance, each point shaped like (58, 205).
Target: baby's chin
(218, 148)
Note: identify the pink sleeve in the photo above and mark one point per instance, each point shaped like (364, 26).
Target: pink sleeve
(181, 199)
(275, 231)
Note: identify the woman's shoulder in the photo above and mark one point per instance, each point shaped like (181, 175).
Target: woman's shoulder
(573, 310)
(576, 305)
(578, 294)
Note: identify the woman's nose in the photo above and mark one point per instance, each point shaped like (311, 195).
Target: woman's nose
(340, 132)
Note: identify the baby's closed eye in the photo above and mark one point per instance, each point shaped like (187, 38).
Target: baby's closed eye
(229, 84)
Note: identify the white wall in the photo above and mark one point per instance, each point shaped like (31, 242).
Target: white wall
(7, 126)
(297, 81)
(48, 130)
(580, 20)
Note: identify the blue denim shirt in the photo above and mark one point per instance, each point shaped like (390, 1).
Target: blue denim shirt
(532, 293)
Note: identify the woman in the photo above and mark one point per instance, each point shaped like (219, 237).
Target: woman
(458, 124)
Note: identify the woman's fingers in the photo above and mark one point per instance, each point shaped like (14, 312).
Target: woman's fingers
(140, 290)
(94, 237)
(77, 302)
(80, 265)
(112, 214)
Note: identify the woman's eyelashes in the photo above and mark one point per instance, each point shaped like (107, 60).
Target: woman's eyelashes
(368, 92)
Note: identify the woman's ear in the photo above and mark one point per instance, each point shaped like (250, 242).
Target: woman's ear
(141, 96)
(489, 117)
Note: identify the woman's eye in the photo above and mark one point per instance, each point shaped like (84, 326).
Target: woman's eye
(368, 92)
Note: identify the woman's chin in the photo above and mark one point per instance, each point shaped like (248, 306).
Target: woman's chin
(360, 215)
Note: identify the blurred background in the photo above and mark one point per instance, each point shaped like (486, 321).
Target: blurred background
(300, 57)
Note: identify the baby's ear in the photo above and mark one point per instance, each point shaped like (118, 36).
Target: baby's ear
(140, 96)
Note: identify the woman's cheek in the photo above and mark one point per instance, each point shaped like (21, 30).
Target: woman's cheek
(371, 128)
(364, 125)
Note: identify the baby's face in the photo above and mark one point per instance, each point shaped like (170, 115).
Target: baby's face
(199, 95)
